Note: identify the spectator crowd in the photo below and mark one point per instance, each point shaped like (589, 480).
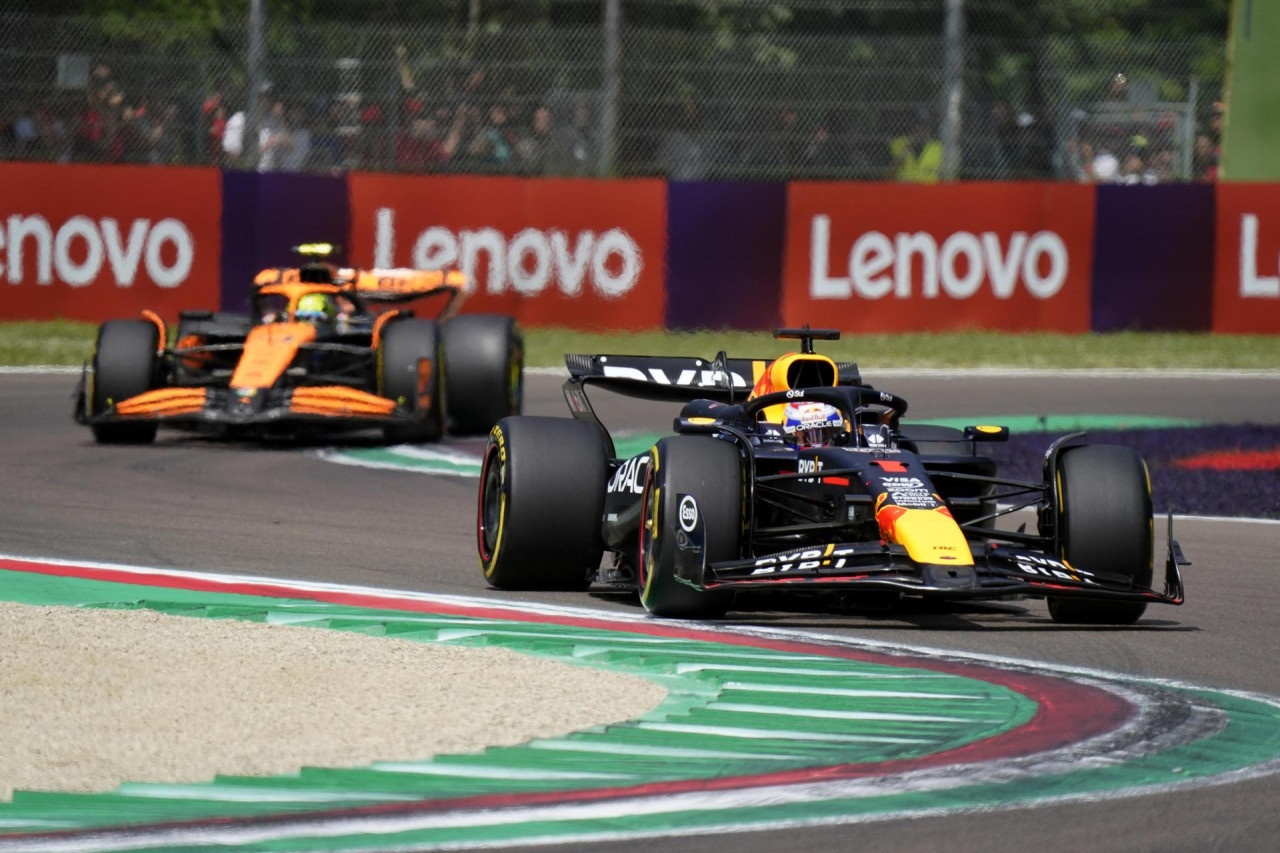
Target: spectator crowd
(472, 126)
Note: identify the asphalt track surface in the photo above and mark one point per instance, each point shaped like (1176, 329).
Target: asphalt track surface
(189, 502)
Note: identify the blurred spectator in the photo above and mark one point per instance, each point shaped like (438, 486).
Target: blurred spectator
(1105, 167)
(571, 150)
(162, 137)
(534, 145)
(917, 156)
(1205, 159)
(295, 159)
(420, 149)
(684, 154)
(274, 139)
(495, 143)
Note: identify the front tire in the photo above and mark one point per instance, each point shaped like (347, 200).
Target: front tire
(541, 503)
(710, 471)
(1105, 526)
(125, 364)
(483, 371)
(404, 344)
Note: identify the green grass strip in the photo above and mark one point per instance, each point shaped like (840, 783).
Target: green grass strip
(69, 343)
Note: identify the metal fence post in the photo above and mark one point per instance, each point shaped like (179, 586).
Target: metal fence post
(612, 23)
(1189, 131)
(953, 83)
(253, 108)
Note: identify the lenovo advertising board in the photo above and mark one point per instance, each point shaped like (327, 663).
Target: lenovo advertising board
(899, 258)
(1246, 288)
(99, 242)
(578, 253)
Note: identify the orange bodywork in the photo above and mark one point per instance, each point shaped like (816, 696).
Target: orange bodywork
(337, 400)
(164, 402)
(268, 352)
(163, 339)
(929, 535)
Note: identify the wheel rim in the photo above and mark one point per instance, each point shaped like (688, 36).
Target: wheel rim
(490, 516)
(648, 531)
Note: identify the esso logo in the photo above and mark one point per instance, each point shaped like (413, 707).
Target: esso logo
(877, 265)
(527, 263)
(78, 249)
(688, 513)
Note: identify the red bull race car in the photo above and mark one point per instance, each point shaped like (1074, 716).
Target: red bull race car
(793, 474)
(313, 354)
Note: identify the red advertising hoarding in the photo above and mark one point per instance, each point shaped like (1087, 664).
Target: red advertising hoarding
(100, 242)
(578, 253)
(1246, 286)
(898, 258)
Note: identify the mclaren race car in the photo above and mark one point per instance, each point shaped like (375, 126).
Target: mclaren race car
(313, 354)
(793, 474)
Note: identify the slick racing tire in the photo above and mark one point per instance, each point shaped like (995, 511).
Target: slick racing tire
(404, 343)
(483, 371)
(541, 503)
(1105, 526)
(125, 364)
(692, 480)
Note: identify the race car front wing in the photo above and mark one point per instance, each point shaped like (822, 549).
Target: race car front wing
(998, 571)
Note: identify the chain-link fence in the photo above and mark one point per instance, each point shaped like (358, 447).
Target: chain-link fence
(1112, 90)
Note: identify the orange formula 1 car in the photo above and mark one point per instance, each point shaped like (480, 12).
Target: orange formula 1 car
(313, 354)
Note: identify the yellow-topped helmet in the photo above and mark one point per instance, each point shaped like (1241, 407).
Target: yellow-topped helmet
(315, 308)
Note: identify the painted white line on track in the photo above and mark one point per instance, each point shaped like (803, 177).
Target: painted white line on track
(39, 370)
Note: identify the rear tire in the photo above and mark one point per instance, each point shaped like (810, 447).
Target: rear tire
(403, 343)
(710, 471)
(125, 364)
(1105, 526)
(483, 371)
(541, 504)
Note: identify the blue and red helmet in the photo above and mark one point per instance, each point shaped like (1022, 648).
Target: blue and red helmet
(812, 423)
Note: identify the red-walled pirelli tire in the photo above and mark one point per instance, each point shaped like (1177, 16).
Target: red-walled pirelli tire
(125, 364)
(403, 344)
(484, 371)
(1105, 526)
(691, 480)
(541, 503)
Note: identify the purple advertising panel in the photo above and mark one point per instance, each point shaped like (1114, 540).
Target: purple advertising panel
(724, 254)
(1153, 258)
(265, 215)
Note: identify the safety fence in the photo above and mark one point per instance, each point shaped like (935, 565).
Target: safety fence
(92, 242)
(1091, 90)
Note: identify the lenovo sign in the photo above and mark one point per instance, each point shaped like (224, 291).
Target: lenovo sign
(93, 243)
(884, 257)
(552, 252)
(1246, 289)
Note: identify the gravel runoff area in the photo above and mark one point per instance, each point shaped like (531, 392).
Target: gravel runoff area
(92, 698)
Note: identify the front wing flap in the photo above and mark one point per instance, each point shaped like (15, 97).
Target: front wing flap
(222, 406)
(998, 571)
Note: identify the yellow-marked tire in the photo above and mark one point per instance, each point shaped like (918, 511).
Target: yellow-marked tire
(125, 364)
(483, 371)
(709, 471)
(1105, 526)
(541, 503)
(404, 343)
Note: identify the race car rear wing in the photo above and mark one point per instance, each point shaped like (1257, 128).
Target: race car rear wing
(388, 286)
(680, 379)
(677, 379)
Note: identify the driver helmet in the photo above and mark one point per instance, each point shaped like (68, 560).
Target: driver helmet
(812, 424)
(315, 308)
